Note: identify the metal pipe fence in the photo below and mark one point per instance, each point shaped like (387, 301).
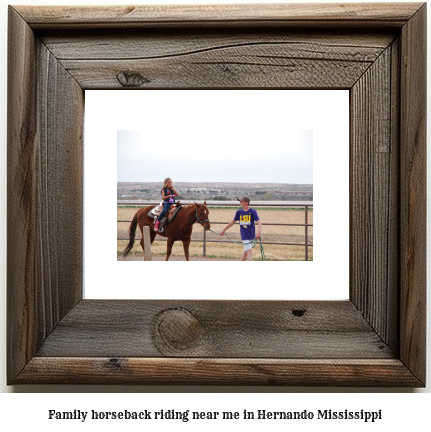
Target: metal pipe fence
(286, 205)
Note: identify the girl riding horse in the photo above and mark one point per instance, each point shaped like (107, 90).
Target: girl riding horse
(168, 196)
(179, 229)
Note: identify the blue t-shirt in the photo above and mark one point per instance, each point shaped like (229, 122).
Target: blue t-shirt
(246, 221)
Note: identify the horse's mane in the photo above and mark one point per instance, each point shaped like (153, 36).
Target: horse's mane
(193, 205)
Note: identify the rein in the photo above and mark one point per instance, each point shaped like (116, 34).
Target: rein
(254, 242)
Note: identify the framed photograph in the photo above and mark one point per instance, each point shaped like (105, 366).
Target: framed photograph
(220, 145)
(243, 142)
(376, 337)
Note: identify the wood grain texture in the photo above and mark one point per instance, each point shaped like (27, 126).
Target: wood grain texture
(210, 60)
(217, 371)
(59, 187)
(206, 59)
(228, 329)
(21, 196)
(300, 15)
(44, 194)
(141, 44)
(374, 195)
(413, 194)
(53, 336)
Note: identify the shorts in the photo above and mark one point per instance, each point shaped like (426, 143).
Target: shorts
(248, 244)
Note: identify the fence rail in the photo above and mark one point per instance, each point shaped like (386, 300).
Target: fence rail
(305, 204)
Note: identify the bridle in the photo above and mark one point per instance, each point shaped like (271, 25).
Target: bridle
(197, 217)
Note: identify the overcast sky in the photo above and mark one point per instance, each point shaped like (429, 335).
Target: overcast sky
(210, 136)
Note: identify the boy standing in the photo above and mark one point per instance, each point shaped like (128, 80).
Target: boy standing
(246, 217)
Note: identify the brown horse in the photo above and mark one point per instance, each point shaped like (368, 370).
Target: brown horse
(179, 229)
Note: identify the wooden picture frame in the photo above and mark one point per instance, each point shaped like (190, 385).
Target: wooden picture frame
(376, 338)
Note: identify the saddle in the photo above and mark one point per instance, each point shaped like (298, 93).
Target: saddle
(170, 214)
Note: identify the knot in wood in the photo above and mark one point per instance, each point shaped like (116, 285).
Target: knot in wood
(131, 79)
(115, 363)
(298, 312)
(178, 328)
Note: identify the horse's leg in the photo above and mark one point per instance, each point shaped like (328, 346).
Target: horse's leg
(186, 244)
(170, 243)
(152, 235)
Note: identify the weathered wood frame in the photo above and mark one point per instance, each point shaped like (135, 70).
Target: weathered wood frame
(376, 338)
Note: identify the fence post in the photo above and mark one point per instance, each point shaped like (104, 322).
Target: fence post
(147, 244)
(205, 243)
(306, 233)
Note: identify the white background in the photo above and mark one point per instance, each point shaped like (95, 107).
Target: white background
(326, 113)
(402, 409)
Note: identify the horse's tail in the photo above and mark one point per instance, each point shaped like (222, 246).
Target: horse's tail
(132, 232)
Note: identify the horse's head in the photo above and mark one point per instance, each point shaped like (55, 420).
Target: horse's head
(202, 215)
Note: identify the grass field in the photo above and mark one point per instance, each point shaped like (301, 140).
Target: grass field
(230, 250)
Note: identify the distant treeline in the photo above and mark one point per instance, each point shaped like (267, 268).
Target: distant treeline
(220, 192)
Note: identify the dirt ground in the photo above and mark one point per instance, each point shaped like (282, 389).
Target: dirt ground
(139, 257)
(230, 251)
